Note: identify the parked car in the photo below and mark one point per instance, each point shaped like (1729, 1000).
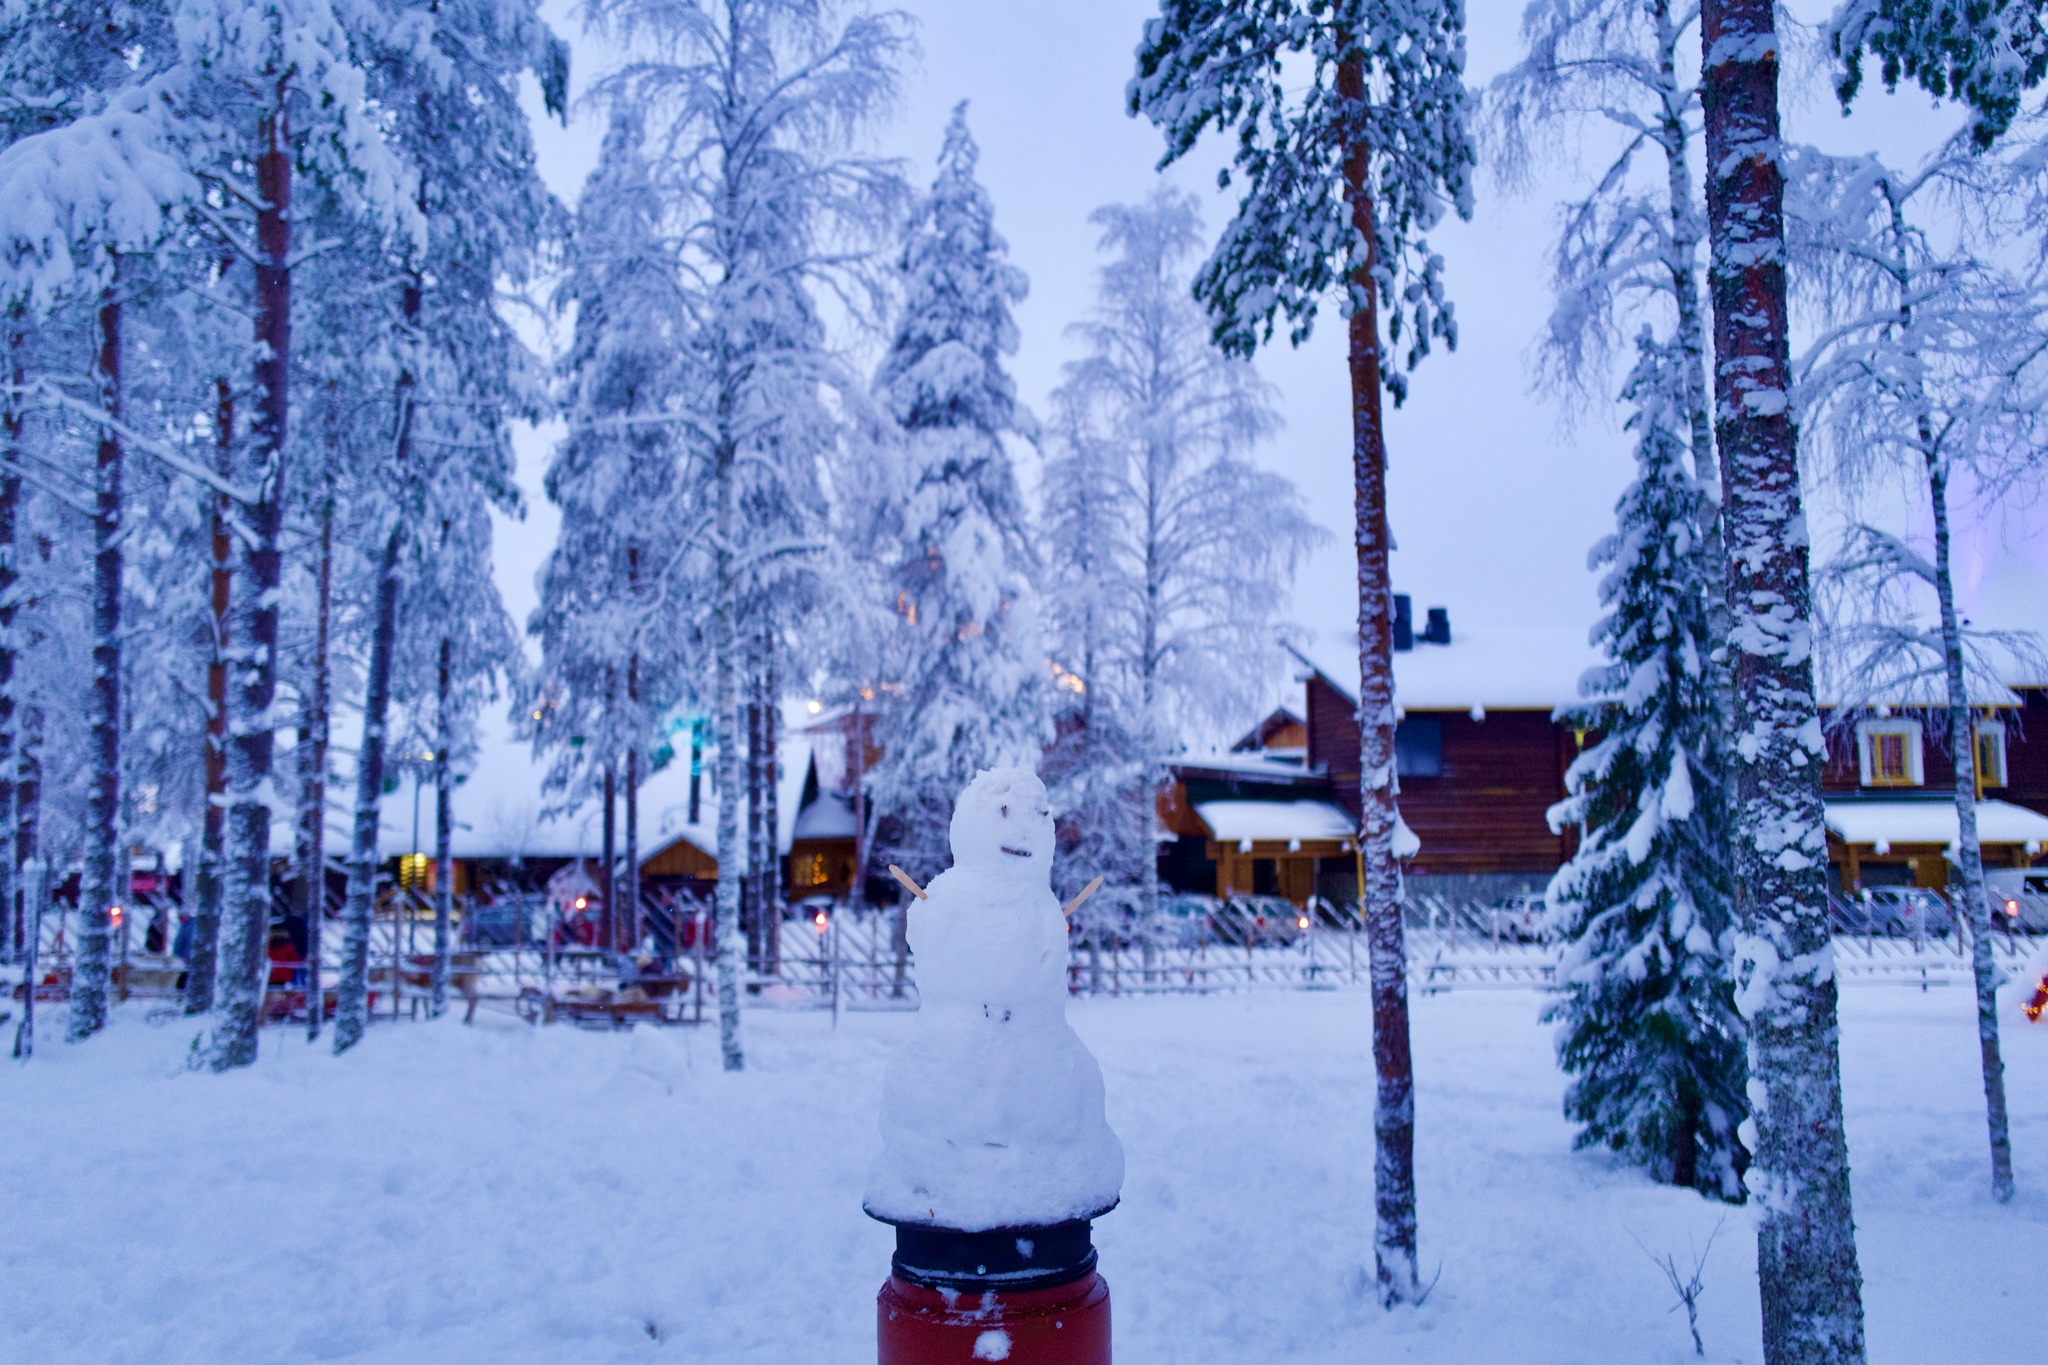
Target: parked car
(2019, 899)
(1521, 917)
(1907, 910)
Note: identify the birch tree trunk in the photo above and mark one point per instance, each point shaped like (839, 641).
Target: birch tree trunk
(98, 886)
(210, 874)
(1394, 1234)
(752, 916)
(12, 911)
(444, 830)
(771, 809)
(724, 641)
(609, 934)
(313, 780)
(1976, 907)
(245, 919)
(1809, 1281)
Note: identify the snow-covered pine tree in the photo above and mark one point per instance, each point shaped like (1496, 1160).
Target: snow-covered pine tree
(1808, 1276)
(973, 681)
(1935, 365)
(1350, 118)
(1985, 55)
(752, 106)
(1643, 909)
(1169, 553)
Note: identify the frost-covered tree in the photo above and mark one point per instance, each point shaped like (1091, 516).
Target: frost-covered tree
(620, 620)
(1934, 365)
(1350, 118)
(750, 107)
(1168, 552)
(1809, 1281)
(1644, 909)
(450, 75)
(972, 665)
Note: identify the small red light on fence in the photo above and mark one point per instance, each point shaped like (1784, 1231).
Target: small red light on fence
(114, 914)
(1301, 922)
(820, 919)
(2012, 908)
(582, 902)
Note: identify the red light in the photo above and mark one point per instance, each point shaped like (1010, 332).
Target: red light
(820, 920)
(115, 915)
(582, 902)
(2012, 908)
(1301, 922)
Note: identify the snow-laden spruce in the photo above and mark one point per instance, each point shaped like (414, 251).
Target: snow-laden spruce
(992, 1110)
(1935, 367)
(1647, 1023)
(970, 660)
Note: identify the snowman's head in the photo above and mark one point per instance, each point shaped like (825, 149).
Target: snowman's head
(1003, 821)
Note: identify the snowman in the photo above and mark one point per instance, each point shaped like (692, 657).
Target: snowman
(992, 1111)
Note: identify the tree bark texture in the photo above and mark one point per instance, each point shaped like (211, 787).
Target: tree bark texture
(210, 875)
(752, 915)
(609, 937)
(98, 886)
(444, 829)
(313, 780)
(771, 812)
(1394, 1233)
(352, 994)
(729, 941)
(252, 689)
(1809, 1281)
(13, 916)
(1976, 905)
(352, 1002)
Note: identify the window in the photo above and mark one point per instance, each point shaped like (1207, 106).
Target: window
(1419, 747)
(1888, 753)
(1990, 754)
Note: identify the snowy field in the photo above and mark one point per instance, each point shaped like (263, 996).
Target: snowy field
(497, 1193)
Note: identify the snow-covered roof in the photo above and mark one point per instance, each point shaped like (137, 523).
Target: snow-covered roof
(1932, 822)
(1502, 667)
(1232, 821)
(500, 806)
(1261, 764)
(828, 817)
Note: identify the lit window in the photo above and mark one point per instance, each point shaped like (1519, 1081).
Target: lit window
(1990, 754)
(1888, 753)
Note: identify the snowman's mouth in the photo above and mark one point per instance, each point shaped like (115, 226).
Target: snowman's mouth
(1016, 852)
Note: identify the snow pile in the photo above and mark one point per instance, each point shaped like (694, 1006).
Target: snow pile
(992, 1112)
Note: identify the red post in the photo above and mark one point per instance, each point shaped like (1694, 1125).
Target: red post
(1028, 1295)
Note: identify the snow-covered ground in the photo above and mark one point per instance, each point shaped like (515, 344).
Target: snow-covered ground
(497, 1193)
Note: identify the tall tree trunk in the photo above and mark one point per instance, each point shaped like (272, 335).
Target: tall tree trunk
(1976, 907)
(1809, 1281)
(352, 995)
(751, 913)
(12, 914)
(609, 938)
(245, 919)
(729, 942)
(632, 867)
(352, 1002)
(313, 779)
(771, 810)
(444, 828)
(28, 807)
(210, 875)
(1394, 1234)
(98, 888)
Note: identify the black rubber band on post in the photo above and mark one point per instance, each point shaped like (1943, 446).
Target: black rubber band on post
(999, 1259)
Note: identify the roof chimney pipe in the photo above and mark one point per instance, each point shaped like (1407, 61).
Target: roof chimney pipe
(1404, 622)
(1437, 631)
